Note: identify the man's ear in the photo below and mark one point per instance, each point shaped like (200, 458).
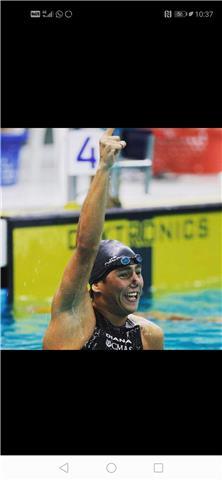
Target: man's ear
(96, 287)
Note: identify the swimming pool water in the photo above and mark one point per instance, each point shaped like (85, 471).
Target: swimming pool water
(190, 321)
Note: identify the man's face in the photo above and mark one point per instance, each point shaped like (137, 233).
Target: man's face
(122, 288)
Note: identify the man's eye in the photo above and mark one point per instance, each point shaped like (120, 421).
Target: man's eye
(124, 274)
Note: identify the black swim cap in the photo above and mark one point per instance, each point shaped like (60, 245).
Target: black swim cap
(110, 252)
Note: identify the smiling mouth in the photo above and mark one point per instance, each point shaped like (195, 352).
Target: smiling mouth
(132, 297)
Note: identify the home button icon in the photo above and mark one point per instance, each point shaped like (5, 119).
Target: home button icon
(111, 468)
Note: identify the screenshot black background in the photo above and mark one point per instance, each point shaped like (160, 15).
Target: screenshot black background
(126, 63)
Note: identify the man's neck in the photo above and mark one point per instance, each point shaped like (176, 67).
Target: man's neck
(116, 320)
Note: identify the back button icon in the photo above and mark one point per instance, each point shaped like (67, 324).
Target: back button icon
(65, 468)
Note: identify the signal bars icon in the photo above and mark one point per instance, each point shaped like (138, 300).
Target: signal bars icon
(45, 14)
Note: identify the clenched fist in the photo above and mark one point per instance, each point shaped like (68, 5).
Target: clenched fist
(110, 147)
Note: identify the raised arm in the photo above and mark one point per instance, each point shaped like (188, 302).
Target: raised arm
(72, 297)
(90, 227)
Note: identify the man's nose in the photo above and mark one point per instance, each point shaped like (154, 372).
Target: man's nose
(135, 279)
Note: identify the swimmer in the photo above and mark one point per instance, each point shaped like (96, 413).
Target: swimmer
(102, 317)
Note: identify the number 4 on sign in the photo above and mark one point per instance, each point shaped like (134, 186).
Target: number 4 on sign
(81, 157)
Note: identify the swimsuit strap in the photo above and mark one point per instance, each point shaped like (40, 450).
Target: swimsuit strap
(102, 322)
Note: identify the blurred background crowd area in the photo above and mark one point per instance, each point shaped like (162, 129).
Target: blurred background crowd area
(183, 158)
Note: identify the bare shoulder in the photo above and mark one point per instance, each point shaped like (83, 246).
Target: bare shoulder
(146, 324)
(152, 335)
(70, 329)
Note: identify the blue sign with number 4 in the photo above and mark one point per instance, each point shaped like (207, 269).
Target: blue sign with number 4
(81, 156)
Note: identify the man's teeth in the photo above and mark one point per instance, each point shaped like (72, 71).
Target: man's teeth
(132, 296)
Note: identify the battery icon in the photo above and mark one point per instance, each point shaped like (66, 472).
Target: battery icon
(35, 14)
(180, 14)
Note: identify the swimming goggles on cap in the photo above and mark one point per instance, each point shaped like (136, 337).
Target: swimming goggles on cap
(123, 261)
